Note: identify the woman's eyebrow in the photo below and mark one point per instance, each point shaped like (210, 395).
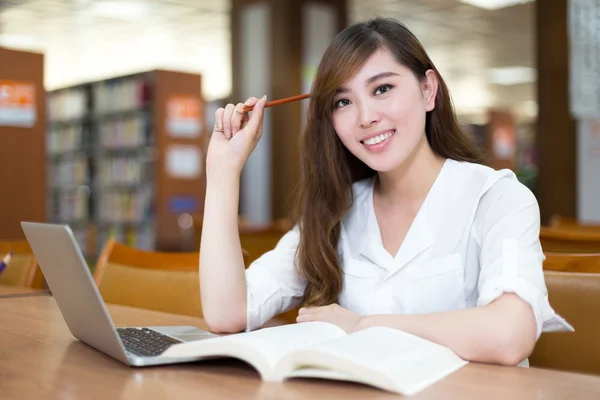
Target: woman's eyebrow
(379, 76)
(369, 81)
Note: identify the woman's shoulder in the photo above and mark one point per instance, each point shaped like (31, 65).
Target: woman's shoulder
(494, 181)
(471, 168)
(499, 188)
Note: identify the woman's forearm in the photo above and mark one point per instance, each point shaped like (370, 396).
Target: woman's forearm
(222, 273)
(503, 332)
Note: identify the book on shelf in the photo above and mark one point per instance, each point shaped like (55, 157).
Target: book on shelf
(385, 358)
(121, 94)
(128, 132)
(105, 143)
(67, 104)
(126, 206)
(138, 235)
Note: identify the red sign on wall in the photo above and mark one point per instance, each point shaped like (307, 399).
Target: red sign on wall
(183, 116)
(17, 104)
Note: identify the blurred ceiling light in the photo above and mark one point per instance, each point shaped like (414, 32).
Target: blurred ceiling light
(530, 108)
(512, 75)
(23, 42)
(470, 96)
(495, 4)
(124, 10)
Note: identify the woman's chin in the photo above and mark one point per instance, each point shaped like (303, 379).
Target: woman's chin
(384, 165)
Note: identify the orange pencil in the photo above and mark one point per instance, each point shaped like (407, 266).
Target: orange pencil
(280, 101)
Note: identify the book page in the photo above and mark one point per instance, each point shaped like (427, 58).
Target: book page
(277, 341)
(383, 357)
(262, 348)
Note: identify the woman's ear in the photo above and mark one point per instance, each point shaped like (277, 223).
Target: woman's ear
(429, 86)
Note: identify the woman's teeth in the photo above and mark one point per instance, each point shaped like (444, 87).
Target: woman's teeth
(379, 139)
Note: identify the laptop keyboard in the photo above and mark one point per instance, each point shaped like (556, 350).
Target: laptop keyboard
(145, 342)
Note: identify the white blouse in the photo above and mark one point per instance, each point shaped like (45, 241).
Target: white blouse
(475, 237)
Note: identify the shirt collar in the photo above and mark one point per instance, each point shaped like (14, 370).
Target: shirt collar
(420, 235)
(355, 223)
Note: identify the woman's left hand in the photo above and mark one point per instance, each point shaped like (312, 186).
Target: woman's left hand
(333, 313)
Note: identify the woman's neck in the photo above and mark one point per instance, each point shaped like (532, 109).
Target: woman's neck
(411, 181)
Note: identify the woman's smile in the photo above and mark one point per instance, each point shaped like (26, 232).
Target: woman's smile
(379, 141)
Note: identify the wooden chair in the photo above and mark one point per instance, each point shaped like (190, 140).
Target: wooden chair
(576, 297)
(22, 269)
(257, 240)
(569, 240)
(146, 279)
(558, 221)
(566, 262)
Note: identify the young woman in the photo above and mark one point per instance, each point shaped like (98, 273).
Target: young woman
(396, 223)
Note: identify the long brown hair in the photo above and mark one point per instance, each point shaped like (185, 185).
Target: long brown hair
(328, 169)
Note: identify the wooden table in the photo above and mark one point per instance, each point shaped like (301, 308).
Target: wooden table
(17, 291)
(40, 359)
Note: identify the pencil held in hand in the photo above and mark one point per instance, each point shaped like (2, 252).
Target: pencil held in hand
(280, 101)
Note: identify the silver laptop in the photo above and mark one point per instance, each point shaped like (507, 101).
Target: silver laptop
(83, 309)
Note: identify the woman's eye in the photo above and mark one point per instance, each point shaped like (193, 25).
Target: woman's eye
(341, 103)
(383, 89)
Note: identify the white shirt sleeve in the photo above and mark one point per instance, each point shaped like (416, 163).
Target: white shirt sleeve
(508, 227)
(273, 285)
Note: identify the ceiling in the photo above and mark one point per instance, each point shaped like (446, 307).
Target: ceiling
(86, 40)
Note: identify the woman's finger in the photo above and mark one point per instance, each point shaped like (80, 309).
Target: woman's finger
(236, 118)
(245, 119)
(251, 101)
(227, 120)
(219, 120)
(259, 129)
(254, 125)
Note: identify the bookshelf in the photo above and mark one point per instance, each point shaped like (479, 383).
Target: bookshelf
(69, 169)
(110, 159)
(125, 183)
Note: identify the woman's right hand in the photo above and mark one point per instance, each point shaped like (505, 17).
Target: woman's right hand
(235, 136)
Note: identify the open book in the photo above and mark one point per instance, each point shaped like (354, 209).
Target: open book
(385, 358)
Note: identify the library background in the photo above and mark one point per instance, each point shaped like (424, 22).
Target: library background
(89, 154)
(106, 107)
(105, 142)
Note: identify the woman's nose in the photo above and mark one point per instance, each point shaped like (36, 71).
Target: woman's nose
(367, 116)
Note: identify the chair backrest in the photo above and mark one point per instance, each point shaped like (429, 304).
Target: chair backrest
(569, 240)
(567, 262)
(558, 221)
(146, 279)
(576, 297)
(257, 240)
(22, 269)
